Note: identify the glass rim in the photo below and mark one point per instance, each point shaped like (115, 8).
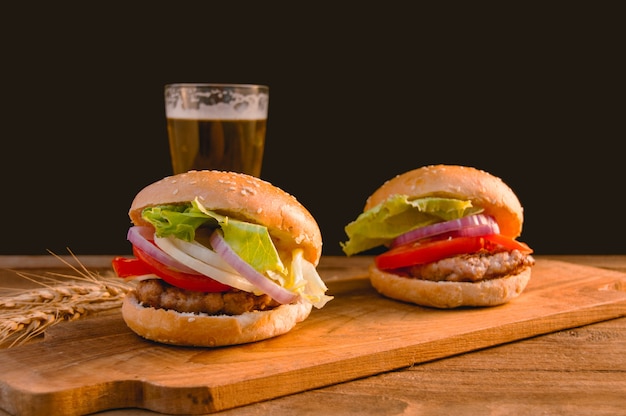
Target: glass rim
(215, 85)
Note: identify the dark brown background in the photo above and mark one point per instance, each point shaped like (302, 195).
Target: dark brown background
(534, 96)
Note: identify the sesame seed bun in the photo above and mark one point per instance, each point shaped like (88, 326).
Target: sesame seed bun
(446, 295)
(168, 326)
(462, 182)
(241, 197)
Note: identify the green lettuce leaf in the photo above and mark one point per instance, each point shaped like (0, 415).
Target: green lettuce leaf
(398, 214)
(251, 242)
(181, 221)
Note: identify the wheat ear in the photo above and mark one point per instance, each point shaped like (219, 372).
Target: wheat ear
(25, 314)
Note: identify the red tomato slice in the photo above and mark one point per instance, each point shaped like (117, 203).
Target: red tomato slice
(182, 280)
(506, 242)
(125, 267)
(427, 252)
(434, 250)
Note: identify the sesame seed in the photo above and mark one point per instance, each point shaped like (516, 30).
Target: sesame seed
(246, 190)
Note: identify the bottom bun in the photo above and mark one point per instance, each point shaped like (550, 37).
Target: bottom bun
(201, 330)
(449, 294)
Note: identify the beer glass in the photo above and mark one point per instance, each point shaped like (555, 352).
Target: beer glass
(216, 126)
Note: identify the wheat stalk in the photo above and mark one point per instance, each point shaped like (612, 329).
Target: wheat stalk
(25, 314)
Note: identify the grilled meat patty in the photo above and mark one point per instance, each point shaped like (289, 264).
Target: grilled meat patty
(161, 295)
(472, 267)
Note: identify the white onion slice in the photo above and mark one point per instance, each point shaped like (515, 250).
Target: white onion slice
(168, 244)
(276, 292)
(487, 224)
(204, 254)
(139, 236)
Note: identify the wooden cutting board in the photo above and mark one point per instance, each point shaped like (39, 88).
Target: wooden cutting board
(97, 363)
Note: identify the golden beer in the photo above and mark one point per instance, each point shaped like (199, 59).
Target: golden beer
(216, 126)
(233, 145)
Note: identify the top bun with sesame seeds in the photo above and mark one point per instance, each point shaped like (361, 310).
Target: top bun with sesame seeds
(463, 182)
(241, 197)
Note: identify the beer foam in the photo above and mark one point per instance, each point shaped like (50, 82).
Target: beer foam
(229, 106)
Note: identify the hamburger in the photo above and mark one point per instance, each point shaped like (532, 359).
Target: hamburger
(220, 258)
(446, 237)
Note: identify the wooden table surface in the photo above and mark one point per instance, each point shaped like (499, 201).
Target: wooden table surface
(578, 371)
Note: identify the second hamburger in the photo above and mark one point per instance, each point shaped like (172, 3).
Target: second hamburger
(450, 234)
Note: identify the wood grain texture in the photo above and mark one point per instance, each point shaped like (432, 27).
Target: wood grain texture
(98, 364)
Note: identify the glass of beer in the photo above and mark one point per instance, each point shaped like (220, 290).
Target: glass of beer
(216, 126)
